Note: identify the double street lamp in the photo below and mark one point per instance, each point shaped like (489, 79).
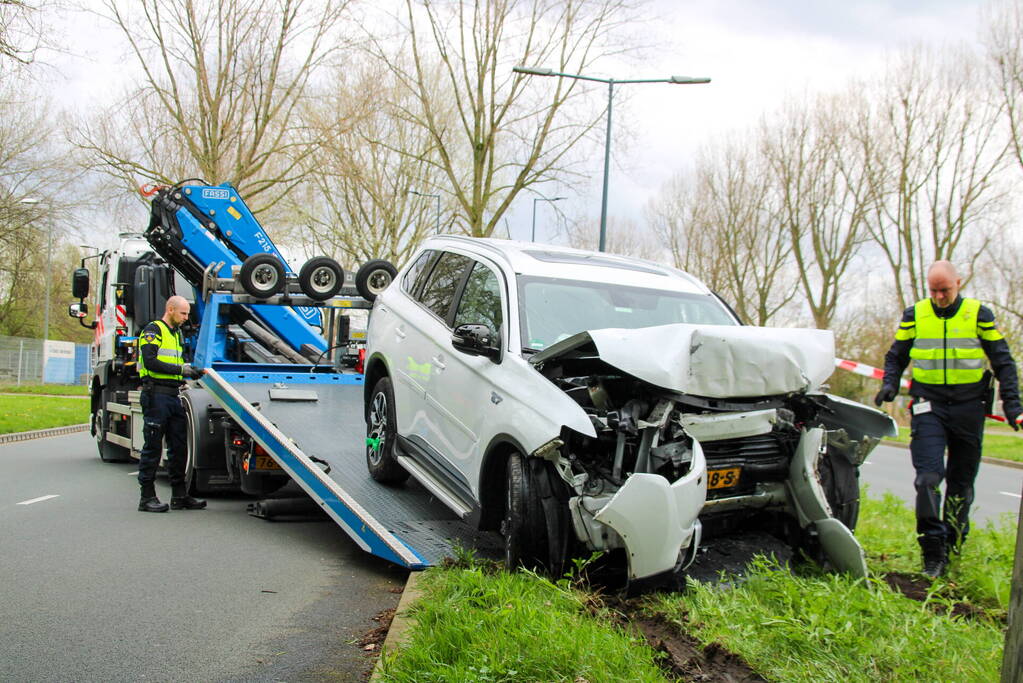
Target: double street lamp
(540, 199)
(678, 80)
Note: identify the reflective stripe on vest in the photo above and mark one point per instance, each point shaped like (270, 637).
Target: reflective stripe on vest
(947, 350)
(169, 352)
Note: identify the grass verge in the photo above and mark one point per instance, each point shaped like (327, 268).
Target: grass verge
(61, 389)
(480, 625)
(827, 627)
(25, 413)
(999, 442)
(474, 624)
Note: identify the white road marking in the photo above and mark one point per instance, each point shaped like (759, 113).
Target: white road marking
(132, 474)
(1014, 495)
(39, 499)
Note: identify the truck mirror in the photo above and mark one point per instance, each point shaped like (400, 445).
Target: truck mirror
(80, 283)
(79, 310)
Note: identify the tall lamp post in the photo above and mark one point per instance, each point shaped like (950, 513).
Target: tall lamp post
(435, 196)
(541, 71)
(49, 269)
(532, 237)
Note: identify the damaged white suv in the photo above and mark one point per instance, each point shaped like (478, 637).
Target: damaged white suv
(578, 401)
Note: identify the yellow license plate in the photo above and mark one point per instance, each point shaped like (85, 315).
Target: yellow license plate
(723, 479)
(265, 462)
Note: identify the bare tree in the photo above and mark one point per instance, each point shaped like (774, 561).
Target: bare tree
(510, 131)
(624, 236)
(1003, 37)
(737, 240)
(21, 30)
(220, 89)
(823, 193)
(368, 181)
(932, 153)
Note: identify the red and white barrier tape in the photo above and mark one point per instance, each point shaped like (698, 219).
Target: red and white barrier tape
(878, 374)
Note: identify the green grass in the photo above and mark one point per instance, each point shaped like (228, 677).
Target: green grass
(981, 575)
(999, 441)
(828, 627)
(475, 625)
(62, 389)
(25, 413)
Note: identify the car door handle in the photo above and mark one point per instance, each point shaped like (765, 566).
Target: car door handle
(400, 333)
(438, 362)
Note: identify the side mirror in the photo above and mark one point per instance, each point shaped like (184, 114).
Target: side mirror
(79, 310)
(80, 283)
(476, 340)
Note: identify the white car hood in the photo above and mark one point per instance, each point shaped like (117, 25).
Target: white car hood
(714, 361)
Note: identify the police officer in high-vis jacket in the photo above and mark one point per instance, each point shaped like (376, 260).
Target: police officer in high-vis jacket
(947, 337)
(163, 372)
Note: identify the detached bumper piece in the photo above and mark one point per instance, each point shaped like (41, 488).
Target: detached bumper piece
(657, 520)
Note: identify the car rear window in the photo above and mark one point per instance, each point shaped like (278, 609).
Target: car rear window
(440, 289)
(412, 282)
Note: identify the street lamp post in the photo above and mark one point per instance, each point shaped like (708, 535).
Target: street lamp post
(435, 196)
(678, 80)
(540, 199)
(49, 269)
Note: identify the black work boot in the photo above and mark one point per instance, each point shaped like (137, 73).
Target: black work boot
(935, 556)
(187, 503)
(152, 504)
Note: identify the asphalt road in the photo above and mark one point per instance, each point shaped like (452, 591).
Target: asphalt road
(998, 488)
(93, 590)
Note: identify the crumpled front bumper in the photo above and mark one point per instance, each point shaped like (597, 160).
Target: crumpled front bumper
(657, 519)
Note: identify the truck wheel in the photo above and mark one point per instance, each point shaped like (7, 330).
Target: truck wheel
(373, 278)
(840, 480)
(262, 275)
(381, 436)
(200, 443)
(321, 278)
(108, 452)
(535, 525)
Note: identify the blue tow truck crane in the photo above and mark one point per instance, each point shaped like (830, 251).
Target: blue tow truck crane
(282, 397)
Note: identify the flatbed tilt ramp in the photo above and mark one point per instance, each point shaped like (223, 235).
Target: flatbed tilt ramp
(313, 426)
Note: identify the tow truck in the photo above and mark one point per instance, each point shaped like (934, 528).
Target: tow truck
(282, 396)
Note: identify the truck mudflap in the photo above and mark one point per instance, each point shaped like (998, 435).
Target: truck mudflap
(365, 530)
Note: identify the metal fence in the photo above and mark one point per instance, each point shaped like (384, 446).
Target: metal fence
(30, 361)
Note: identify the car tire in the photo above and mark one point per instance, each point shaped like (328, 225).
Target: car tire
(374, 277)
(262, 275)
(321, 278)
(535, 520)
(382, 436)
(840, 480)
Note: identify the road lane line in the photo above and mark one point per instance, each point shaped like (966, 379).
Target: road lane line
(1014, 495)
(132, 474)
(39, 499)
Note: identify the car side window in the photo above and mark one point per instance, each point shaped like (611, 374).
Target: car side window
(481, 300)
(412, 282)
(440, 289)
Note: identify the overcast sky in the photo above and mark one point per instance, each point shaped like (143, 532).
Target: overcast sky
(756, 52)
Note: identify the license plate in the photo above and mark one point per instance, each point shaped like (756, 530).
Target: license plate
(723, 479)
(265, 462)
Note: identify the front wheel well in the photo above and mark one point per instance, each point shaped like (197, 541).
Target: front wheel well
(493, 480)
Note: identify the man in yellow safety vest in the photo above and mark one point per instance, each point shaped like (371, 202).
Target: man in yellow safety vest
(948, 337)
(163, 372)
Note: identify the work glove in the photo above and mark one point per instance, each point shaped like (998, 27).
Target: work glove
(887, 393)
(1012, 413)
(189, 372)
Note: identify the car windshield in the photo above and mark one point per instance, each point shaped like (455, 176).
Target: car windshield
(553, 309)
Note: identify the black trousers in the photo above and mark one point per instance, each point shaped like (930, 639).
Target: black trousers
(959, 429)
(164, 417)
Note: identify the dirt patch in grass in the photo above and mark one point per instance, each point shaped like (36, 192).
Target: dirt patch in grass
(919, 588)
(685, 658)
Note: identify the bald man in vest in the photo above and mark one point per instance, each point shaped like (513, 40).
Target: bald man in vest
(163, 372)
(947, 337)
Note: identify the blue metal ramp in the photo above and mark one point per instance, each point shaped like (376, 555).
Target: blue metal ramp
(323, 414)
